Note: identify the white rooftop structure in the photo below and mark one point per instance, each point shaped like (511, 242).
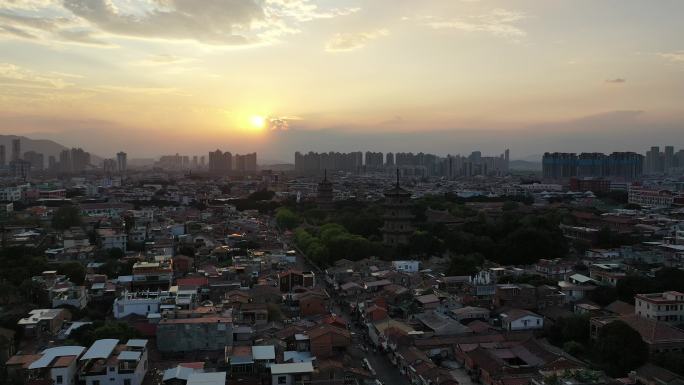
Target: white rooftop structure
(129, 355)
(137, 343)
(295, 356)
(297, 367)
(100, 349)
(179, 372)
(38, 315)
(50, 354)
(263, 352)
(216, 378)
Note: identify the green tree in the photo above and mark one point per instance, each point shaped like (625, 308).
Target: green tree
(75, 271)
(115, 253)
(287, 219)
(66, 217)
(86, 335)
(573, 348)
(465, 264)
(619, 349)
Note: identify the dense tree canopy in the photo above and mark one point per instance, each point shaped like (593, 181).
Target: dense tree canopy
(86, 335)
(66, 217)
(20, 263)
(287, 219)
(619, 349)
(75, 271)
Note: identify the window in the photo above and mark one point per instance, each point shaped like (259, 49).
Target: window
(282, 379)
(111, 368)
(127, 381)
(96, 382)
(59, 379)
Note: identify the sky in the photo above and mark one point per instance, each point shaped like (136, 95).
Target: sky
(154, 77)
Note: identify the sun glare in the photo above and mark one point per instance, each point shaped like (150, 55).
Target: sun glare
(257, 122)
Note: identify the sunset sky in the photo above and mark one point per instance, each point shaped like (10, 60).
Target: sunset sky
(447, 76)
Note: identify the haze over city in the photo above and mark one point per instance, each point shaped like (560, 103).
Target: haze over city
(276, 76)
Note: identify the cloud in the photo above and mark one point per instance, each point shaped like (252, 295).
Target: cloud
(163, 60)
(280, 123)
(616, 81)
(217, 22)
(344, 42)
(12, 75)
(498, 22)
(676, 57)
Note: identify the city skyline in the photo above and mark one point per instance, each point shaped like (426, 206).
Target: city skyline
(433, 76)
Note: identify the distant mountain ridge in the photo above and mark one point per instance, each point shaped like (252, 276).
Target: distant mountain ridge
(44, 146)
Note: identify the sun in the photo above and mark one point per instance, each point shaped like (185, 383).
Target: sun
(257, 122)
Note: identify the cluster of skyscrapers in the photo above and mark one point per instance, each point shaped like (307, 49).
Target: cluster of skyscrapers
(408, 163)
(224, 162)
(74, 160)
(667, 162)
(118, 165)
(618, 166)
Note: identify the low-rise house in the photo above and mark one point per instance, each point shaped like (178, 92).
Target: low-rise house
(520, 296)
(110, 362)
(180, 374)
(108, 239)
(58, 365)
(516, 363)
(453, 283)
(576, 287)
(666, 307)
(520, 319)
(427, 302)
(407, 266)
(153, 275)
(186, 332)
(44, 322)
(608, 274)
(436, 324)
(253, 314)
(650, 374)
(470, 313)
(292, 278)
(659, 336)
(212, 378)
(291, 374)
(554, 269)
(313, 303)
(328, 341)
(141, 303)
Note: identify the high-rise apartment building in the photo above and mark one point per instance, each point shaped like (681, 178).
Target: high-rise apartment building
(16, 149)
(20, 168)
(389, 159)
(592, 165)
(625, 166)
(374, 160)
(220, 162)
(3, 157)
(655, 161)
(246, 163)
(618, 166)
(75, 160)
(36, 159)
(559, 165)
(110, 166)
(121, 162)
(668, 159)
